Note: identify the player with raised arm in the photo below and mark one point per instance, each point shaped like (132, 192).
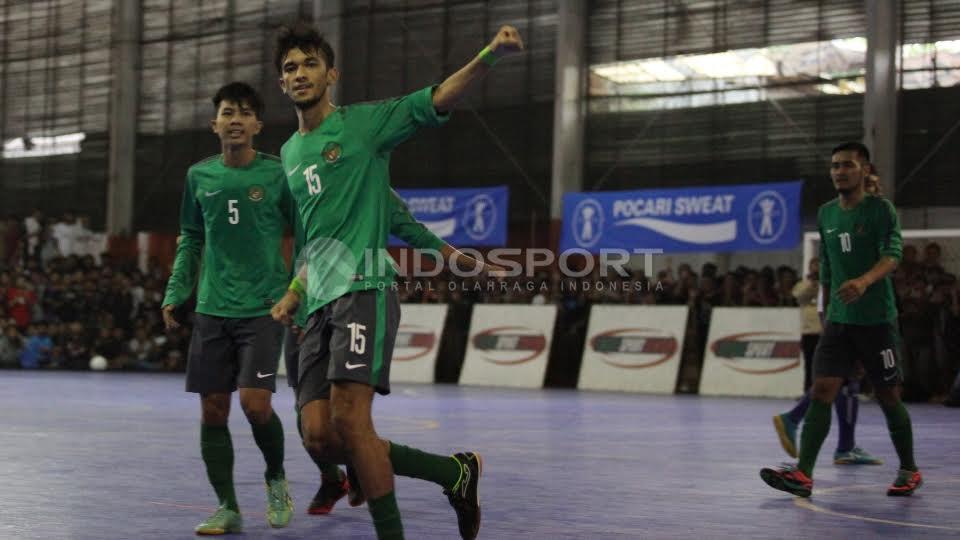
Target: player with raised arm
(337, 166)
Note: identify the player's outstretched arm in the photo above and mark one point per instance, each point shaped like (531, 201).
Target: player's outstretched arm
(506, 42)
(406, 227)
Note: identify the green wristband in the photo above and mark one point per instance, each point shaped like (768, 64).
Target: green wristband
(297, 287)
(488, 57)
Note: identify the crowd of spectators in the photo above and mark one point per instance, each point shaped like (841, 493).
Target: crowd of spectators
(63, 302)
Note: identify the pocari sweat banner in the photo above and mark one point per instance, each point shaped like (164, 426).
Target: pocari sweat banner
(462, 216)
(751, 217)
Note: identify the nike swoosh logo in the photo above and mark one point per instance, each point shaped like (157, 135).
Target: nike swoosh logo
(354, 366)
(264, 375)
(212, 193)
(290, 172)
(828, 231)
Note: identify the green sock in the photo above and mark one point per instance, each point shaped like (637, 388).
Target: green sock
(269, 438)
(328, 471)
(413, 463)
(901, 433)
(217, 451)
(816, 425)
(386, 517)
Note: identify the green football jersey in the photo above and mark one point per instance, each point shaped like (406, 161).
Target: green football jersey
(236, 217)
(402, 225)
(339, 175)
(852, 241)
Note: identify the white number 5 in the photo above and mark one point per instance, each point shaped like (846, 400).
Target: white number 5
(233, 211)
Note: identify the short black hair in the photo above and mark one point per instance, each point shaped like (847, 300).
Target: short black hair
(855, 147)
(239, 93)
(304, 36)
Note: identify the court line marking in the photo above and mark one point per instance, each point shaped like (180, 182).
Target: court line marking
(185, 506)
(806, 504)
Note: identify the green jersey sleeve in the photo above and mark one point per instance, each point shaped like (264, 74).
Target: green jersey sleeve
(891, 239)
(405, 227)
(392, 121)
(186, 265)
(824, 256)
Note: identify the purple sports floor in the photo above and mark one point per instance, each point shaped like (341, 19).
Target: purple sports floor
(104, 456)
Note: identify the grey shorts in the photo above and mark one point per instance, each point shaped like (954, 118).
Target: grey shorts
(226, 354)
(349, 339)
(843, 346)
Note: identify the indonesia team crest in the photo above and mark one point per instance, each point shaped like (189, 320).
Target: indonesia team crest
(332, 152)
(256, 193)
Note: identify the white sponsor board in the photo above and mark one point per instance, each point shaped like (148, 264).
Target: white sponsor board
(633, 348)
(509, 345)
(753, 352)
(418, 339)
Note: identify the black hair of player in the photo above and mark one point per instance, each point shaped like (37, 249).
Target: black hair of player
(301, 35)
(239, 93)
(853, 146)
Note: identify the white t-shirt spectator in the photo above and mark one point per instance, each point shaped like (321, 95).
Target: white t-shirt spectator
(33, 234)
(64, 233)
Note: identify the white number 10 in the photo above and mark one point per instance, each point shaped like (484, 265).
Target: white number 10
(846, 246)
(889, 360)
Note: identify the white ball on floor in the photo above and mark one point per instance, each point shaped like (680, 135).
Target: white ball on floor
(98, 363)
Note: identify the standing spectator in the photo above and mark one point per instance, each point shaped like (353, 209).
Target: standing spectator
(49, 249)
(952, 332)
(807, 294)
(64, 232)
(11, 241)
(33, 225)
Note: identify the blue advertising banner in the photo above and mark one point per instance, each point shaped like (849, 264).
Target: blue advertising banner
(752, 217)
(461, 217)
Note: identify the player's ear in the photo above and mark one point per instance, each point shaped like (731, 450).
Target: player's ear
(259, 127)
(333, 75)
(283, 84)
(213, 125)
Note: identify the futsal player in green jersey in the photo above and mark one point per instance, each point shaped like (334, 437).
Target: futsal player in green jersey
(860, 246)
(235, 209)
(334, 483)
(337, 166)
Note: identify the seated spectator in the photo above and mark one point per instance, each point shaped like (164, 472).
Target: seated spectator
(20, 300)
(143, 350)
(11, 342)
(36, 348)
(76, 350)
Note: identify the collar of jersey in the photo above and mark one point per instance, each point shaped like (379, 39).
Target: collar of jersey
(250, 165)
(323, 125)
